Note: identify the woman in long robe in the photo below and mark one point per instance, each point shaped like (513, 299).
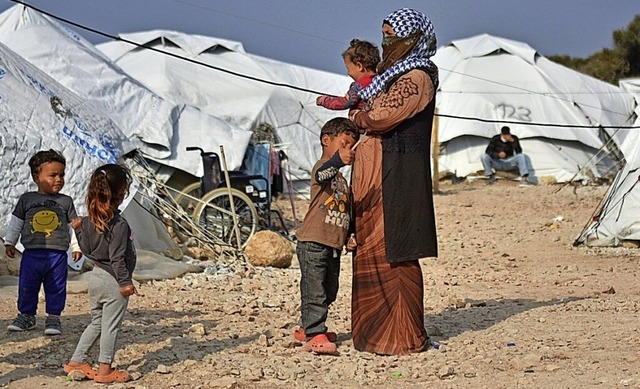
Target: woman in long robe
(394, 213)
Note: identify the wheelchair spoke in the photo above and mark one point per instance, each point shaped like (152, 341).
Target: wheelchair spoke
(216, 216)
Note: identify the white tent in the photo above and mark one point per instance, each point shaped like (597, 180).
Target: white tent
(616, 220)
(163, 128)
(500, 81)
(632, 85)
(37, 112)
(239, 100)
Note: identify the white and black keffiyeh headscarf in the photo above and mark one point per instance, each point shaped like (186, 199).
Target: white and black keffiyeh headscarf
(405, 22)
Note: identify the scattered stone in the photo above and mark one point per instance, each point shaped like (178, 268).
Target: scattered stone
(611, 290)
(223, 382)
(198, 329)
(552, 368)
(446, 372)
(459, 303)
(626, 382)
(76, 375)
(526, 363)
(631, 244)
(263, 341)
(255, 374)
(291, 344)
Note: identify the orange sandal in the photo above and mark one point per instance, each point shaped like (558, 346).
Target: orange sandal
(116, 375)
(300, 336)
(320, 344)
(81, 371)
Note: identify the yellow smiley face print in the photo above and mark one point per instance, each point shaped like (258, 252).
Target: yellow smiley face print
(45, 222)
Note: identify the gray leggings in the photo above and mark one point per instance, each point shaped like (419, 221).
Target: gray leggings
(107, 311)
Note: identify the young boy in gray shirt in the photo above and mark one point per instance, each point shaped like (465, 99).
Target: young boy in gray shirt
(41, 221)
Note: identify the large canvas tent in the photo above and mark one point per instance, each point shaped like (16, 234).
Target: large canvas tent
(487, 81)
(37, 112)
(222, 86)
(616, 220)
(631, 85)
(164, 129)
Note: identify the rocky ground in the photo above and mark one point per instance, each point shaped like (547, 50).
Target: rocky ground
(510, 303)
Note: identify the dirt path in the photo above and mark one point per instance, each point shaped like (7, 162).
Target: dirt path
(510, 303)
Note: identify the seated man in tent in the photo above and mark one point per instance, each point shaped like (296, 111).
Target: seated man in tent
(505, 153)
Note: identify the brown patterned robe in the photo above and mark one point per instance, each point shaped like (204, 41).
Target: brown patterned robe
(394, 218)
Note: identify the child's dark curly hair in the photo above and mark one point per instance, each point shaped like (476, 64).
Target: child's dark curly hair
(337, 126)
(363, 52)
(45, 156)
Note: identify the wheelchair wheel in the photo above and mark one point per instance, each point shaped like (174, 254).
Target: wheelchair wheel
(187, 199)
(214, 214)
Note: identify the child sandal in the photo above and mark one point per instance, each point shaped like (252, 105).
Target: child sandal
(85, 369)
(116, 375)
(320, 344)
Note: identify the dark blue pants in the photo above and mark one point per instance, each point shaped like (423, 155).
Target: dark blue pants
(47, 268)
(320, 271)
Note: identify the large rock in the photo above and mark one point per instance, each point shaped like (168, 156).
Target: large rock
(268, 248)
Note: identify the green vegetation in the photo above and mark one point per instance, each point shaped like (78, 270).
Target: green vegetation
(611, 65)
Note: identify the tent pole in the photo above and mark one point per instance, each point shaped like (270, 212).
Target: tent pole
(287, 176)
(435, 147)
(233, 207)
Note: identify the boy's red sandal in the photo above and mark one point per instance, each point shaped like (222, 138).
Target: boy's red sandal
(320, 344)
(300, 336)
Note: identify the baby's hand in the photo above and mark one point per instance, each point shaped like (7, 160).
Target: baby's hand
(76, 222)
(76, 255)
(10, 251)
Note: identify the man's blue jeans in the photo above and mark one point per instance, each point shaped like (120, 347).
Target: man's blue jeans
(320, 270)
(518, 161)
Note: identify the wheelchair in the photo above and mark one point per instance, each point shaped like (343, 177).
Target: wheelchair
(209, 204)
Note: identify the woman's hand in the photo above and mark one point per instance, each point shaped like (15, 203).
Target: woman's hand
(353, 113)
(351, 243)
(76, 222)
